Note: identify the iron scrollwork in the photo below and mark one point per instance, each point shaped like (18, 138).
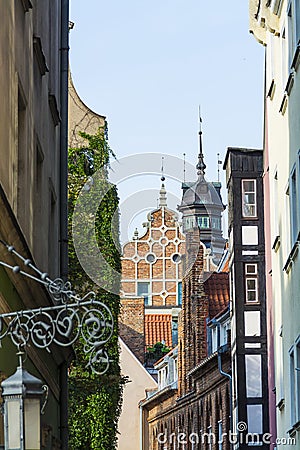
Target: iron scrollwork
(70, 318)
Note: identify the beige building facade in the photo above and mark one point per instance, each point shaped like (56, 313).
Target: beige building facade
(134, 390)
(81, 118)
(276, 25)
(33, 181)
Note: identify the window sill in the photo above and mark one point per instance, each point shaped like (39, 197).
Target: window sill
(292, 256)
(280, 405)
(254, 303)
(271, 90)
(40, 56)
(283, 105)
(54, 109)
(26, 5)
(276, 243)
(290, 82)
(296, 58)
(293, 430)
(287, 91)
(249, 217)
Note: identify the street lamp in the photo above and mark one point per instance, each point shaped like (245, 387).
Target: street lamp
(22, 394)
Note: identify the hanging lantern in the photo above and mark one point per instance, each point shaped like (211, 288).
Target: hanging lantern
(22, 394)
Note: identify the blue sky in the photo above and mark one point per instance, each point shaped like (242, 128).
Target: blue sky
(147, 66)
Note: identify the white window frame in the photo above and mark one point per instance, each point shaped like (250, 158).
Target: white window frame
(251, 273)
(297, 378)
(275, 205)
(214, 339)
(292, 385)
(203, 222)
(210, 437)
(244, 204)
(220, 435)
(293, 200)
(284, 55)
(291, 29)
(250, 278)
(148, 295)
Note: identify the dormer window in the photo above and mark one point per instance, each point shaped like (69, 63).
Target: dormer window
(189, 223)
(203, 222)
(216, 223)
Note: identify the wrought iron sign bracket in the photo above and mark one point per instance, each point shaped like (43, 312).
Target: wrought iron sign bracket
(71, 318)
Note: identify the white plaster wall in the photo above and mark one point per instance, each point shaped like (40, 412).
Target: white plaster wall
(134, 391)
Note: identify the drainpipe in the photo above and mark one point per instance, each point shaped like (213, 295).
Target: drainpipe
(141, 427)
(222, 349)
(64, 64)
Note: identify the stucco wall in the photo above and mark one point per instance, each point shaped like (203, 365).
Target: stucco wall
(134, 391)
(81, 118)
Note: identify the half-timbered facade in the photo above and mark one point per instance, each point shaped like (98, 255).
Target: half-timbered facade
(244, 171)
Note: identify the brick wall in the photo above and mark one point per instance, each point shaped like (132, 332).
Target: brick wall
(163, 240)
(201, 401)
(189, 417)
(195, 307)
(131, 325)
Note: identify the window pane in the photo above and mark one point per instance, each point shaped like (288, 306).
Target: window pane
(248, 185)
(251, 289)
(203, 222)
(143, 288)
(254, 413)
(252, 323)
(251, 284)
(249, 235)
(251, 296)
(251, 268)
(180, 293)
(13, 412)
(253, 376)
(297, 375)
(249, 198)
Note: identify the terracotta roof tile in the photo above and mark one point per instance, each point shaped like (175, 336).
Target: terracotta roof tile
(216, 288)
(158, 328)
(226, 266)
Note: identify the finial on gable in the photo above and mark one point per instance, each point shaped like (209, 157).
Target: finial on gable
(162, 192)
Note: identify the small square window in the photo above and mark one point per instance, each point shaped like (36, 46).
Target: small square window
(251, 269)
(143, 290)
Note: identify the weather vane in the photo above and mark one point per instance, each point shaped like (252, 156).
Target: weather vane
(219, 162)
(162, 169)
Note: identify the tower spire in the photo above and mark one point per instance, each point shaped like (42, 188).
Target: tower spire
(200, 165)
(162, 192)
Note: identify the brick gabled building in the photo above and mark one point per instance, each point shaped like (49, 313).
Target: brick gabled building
(191, 407)
(250, 359)
(151, 289)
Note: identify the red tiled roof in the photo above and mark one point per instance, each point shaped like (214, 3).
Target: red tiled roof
(158, 328)
(226, 266)
(216, 288)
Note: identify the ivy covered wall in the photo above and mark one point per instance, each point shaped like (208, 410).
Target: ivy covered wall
(95, 401)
